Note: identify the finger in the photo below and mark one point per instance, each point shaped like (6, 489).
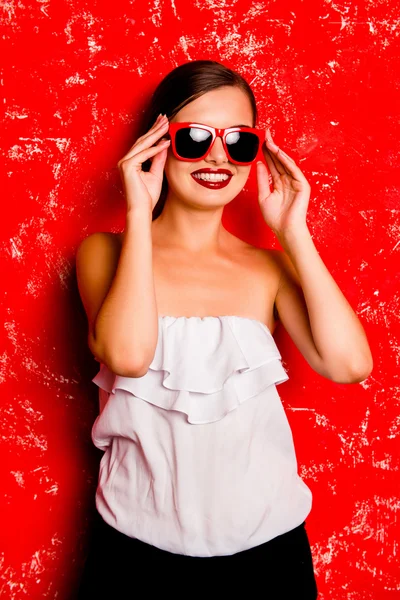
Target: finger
(273, 150)
(275, 173)
(160, 121)
(160, 125)
(263, 180)
(146, 141)
(158, 162)
(141, 157)
(290, 165)
(281, 159)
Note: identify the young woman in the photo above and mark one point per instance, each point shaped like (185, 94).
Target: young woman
(199, 461)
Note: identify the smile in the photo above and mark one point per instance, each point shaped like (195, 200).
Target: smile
(212, 179)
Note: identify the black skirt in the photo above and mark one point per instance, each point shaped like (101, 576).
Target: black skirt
(114, 568)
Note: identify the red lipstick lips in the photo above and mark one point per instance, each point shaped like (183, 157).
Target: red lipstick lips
(213, 185)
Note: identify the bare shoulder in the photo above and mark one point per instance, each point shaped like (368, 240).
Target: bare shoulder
(270, 262)
(101, 238)
(283, 266)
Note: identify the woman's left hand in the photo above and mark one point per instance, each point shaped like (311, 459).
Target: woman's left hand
(285, 208)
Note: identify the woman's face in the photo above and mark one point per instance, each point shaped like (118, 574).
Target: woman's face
(224, 107)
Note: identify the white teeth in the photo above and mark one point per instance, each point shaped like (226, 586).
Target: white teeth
(211, 176)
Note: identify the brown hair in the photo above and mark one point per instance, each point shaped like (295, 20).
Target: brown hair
(182, 85)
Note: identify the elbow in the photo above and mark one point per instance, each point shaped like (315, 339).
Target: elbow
(356, 374)
(123, 370)
(127, 368)
(364, 368)
(114, 362)
(364, 372)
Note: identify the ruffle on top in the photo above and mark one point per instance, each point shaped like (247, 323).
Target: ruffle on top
(204, 367)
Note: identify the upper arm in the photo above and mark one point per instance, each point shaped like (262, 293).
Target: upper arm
(293, 313)
(96, 264)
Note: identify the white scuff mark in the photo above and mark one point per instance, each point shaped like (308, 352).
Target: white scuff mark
(184, 45)
(332, 64)
(344, 22)
(67, 31)
(93, 46)
(53, 491)
(371, 520)
(362, 266)
(325, 552)
(89, 21)
(43, 479)
(45, 375)
(17, 113)
(367, 383)
(174, 9)
(334, 123)
(34, 285)
(5, 368)
(17, 152)
(11, 328)
(56, 170)
(250, 46)
(36, 567)
(44, 239)
(323, 421)
(384, 463)
(295, 408)
(19, 478)
(364, 424)
(156, 13)
(394, 344)
(56, 541)
(45, 6)
(9, 7)
(354, 441)
(217, 6)
(312, 471)
(16, 423)
(61, 143)
(394, 429)
(74, 80)
(15, 251)
(32, 146)
(33, 440)
(256, 10)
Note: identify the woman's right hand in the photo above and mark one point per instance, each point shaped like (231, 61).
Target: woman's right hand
(142, 189)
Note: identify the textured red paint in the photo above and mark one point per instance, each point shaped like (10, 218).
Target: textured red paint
(326, 79)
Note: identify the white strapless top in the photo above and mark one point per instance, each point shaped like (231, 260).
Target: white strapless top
(198, 453)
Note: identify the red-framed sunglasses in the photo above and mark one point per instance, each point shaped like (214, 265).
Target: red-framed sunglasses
(193, 141)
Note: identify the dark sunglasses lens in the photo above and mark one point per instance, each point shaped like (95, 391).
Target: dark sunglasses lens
(192, 142)
(242, 145)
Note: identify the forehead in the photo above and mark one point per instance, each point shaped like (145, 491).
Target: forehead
(224, 107)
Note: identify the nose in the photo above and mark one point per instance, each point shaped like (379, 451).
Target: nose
(217, 152)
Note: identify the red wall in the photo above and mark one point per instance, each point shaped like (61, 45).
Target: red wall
(326, 79)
